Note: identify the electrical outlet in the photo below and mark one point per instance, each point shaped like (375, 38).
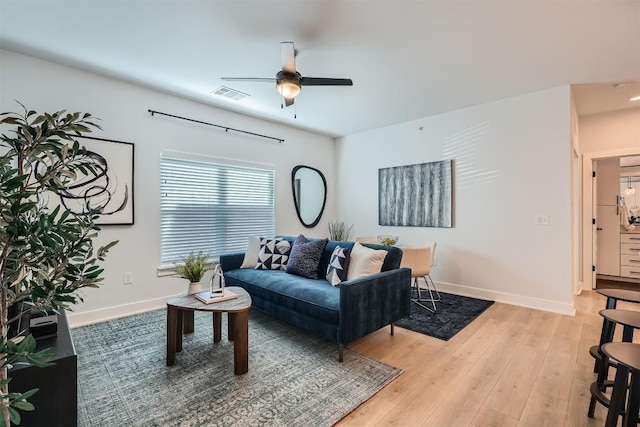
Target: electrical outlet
(127, 278)
(542, 219)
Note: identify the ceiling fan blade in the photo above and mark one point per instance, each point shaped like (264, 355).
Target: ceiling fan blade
(288, 57)
(321, 81)
(249, 79)
(288, 102)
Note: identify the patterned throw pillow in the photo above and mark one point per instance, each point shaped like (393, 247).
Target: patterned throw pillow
(338, 265)
(273, 255)
(305, 257)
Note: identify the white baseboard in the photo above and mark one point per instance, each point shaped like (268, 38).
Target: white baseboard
(585, 286)
(507, 298)
(109, 313)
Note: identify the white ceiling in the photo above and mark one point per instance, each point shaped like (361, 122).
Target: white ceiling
(594, 98)
(408, 59)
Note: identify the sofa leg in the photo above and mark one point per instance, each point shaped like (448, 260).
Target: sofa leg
(340, 352)
(392, 325)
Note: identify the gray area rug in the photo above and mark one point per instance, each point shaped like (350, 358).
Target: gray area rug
(294, 378)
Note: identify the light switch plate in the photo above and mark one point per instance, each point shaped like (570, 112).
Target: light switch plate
(127, 278)
(542, 219)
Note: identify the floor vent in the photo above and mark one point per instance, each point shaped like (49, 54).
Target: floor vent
(233, 94)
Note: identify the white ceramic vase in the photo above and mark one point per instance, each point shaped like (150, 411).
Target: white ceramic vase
(194, 288)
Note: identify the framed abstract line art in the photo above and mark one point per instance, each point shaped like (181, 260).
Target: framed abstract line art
(416, 195)
(111, 189)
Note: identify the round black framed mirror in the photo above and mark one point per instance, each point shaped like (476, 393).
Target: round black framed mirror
(309, 194)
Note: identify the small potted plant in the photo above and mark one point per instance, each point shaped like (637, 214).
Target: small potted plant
(193, 268)
(338, 230)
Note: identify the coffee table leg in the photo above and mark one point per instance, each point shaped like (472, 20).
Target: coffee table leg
(230, 326)
(241, 341)
(187, 316)
(217, 327)
(180, 317)
(172, 334)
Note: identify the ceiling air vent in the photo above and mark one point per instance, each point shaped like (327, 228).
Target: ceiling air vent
(232, 94)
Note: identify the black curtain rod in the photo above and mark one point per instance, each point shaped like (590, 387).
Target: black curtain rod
(226, 128)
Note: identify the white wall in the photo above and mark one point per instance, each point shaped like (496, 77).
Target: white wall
(610, 131)
(604, 135)
(577, 256)
(512, 160)
(45, 86)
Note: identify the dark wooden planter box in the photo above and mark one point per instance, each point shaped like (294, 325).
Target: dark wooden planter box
(56, 403)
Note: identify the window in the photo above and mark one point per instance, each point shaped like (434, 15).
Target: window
(212, 207)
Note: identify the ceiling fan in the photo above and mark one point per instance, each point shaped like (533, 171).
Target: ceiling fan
(288, 81)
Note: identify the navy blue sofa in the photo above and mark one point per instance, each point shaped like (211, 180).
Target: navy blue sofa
(341, 314)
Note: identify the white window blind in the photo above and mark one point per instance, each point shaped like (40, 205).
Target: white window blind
(212, 207)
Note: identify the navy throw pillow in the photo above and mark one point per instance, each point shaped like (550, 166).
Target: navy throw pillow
(305, 257)
(338, 265)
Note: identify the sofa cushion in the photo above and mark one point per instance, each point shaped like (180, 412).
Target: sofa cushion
(273, 254)
(391, 261)
(365, 261)
(338, 266)
(251, 254)
(315, 298)
(305, 257)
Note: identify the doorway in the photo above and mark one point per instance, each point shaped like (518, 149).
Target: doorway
(603, 255)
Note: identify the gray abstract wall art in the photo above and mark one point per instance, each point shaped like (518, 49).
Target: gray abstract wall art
(416, 195)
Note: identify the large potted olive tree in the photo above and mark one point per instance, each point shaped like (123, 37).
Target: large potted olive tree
(46, 254)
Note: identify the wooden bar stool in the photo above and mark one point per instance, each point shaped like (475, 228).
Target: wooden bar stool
(627, 356)
(613, 296)
(630, 320)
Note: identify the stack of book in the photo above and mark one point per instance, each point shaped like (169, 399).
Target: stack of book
(217, 295)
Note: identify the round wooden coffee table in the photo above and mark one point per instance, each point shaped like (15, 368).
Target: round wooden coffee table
(183, 307)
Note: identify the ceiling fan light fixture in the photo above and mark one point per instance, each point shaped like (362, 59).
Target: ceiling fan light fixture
(288, 84)
(288, 88)
(288, 81)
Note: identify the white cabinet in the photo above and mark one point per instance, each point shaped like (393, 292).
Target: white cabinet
(608, 182)
(607, 217)
(608, 241)
(630, 255)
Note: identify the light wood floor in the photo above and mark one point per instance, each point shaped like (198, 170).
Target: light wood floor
(511, 366)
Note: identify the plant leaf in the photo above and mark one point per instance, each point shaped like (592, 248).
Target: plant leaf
(14, 416)
(23, 405)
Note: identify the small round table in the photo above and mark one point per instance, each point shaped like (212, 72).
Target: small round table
(613, 296)
(238, 326)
